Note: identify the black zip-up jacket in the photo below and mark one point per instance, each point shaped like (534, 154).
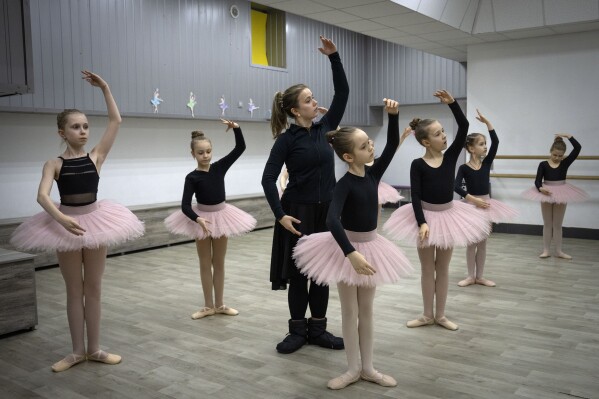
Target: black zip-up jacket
(307, 154)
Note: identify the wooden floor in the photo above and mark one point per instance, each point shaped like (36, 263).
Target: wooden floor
(536, 335)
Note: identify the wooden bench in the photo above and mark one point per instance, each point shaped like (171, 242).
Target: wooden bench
(18, 302)
(156, 235)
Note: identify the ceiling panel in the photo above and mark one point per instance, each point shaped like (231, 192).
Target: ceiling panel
(333, 17)
(449, 26)
(560, 12)
(376, 10)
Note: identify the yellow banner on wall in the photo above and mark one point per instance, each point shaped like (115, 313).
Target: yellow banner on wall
(259, 38)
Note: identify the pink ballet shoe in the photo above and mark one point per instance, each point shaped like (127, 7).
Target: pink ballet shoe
(544, 255)
(342, 381)
(421, 321)
(563, 256)
(67, 362)
(379, 378)
(203, 313)
(104, 357)
(226, 311)
(466, 282)
(445, 322)
(485, 282)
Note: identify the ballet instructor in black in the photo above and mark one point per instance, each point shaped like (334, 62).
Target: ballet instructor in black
(303, 148)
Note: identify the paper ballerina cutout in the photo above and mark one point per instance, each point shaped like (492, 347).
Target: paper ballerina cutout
(192, 103)
(251, 108)
(156, 100)
(223, 105)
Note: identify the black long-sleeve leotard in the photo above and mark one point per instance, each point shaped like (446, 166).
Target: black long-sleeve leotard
(435, 185)
(477, 181)
(307, 154)
(209, 187)
(546, 173)
(355, 199)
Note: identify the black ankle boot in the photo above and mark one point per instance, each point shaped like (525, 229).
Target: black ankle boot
(318, 335)
(295, 339)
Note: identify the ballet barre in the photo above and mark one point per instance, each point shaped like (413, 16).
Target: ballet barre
(579, 158)
(529, 176)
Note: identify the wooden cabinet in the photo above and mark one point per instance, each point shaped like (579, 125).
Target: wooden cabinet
(18, 303)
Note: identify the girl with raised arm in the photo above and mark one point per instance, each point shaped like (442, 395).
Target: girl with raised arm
(81, 228)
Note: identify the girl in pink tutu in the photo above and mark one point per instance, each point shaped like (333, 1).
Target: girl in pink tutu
(475, 174)
(303, 207)
(554, 193)
(433, 221)
(211, 221)
(80, 228)
(352, 254)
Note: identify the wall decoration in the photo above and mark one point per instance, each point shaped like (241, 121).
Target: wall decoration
(251, 108)
(222, 105)
(191, 103)
(156, 100)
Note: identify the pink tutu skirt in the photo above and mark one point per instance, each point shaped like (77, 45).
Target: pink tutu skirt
(561, 193)
(388, 194)
(497, 212)
(225, 221)
(106, 223)
(454, 224)
(319, 257)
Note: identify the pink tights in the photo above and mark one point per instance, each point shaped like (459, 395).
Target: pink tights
(211, 252)
(434, 264)
(476, 255)
(357, 326)
(553, 218)
(83, 286)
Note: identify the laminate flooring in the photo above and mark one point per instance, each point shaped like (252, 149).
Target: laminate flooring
(535, 335)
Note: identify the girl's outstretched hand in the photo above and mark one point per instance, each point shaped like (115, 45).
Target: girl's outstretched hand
(328, 47)
(481, 118)
(444, 96)
(563, 135)
(360, 264)
(72, 226)
(230, 124)
(204, 225)
(94, 79)
(391, 106)
(479, 202)
(543, 190)
(287, 222)
(406, 132)
(322, 110)
(423, 232)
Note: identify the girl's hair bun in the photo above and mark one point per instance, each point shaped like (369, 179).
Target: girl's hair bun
(414, 123)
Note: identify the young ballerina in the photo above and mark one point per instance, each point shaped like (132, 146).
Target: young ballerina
(211, 221)
(302, 209)
(476, 175)
(80, 228)
(433, 221)
(552, 191)
(362, 259)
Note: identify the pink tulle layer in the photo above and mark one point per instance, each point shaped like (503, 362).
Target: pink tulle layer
(388, 194)
(497, 212)
(458, 225)
(228, 221)
(319, 257)
(560, 194)
(106, 223)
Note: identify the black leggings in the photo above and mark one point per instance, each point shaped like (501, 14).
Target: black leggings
(300, 296)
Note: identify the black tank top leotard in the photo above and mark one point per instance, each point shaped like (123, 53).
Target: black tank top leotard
(78, 181)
